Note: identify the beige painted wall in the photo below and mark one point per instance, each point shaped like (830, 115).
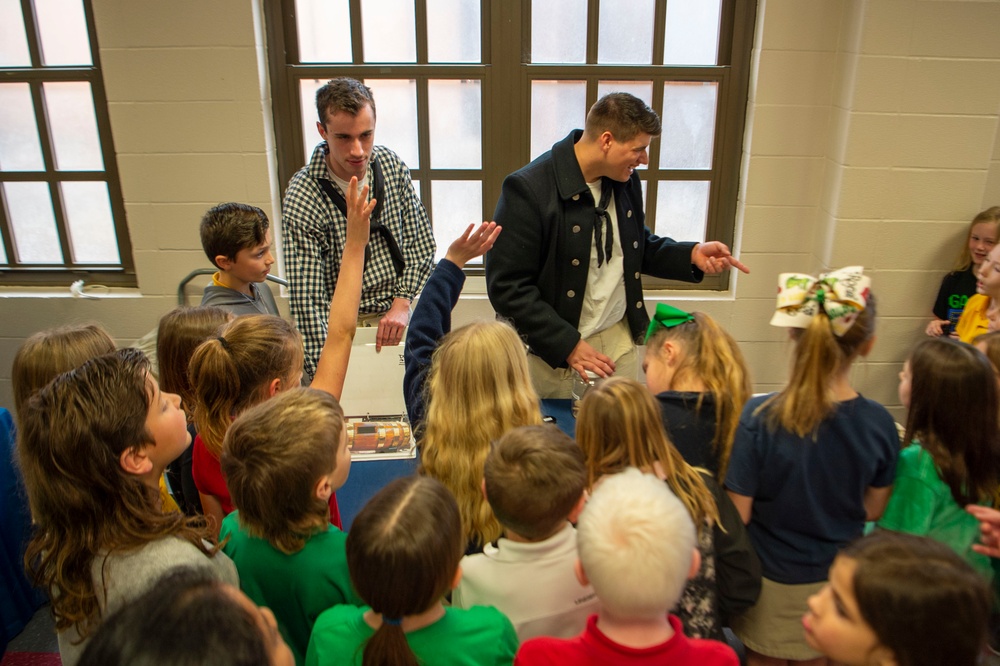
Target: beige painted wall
(871, 138)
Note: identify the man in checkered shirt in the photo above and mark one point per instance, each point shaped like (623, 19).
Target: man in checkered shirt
(314, 223)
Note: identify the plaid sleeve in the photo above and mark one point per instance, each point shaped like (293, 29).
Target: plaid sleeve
(309, 252)
(412, 230)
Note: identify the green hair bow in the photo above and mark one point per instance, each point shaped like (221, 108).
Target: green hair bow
(667, 316)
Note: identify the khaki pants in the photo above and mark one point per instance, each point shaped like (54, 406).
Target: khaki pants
(615, 342)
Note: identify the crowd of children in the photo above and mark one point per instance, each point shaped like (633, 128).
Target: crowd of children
(681, 508)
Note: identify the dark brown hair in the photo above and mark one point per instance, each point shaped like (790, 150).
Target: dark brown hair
(922, 600)
(623, 115)
(819, 355)
(180, 332)
(343, 94)
(963, 441)
(273, 456)
(231, 372)
(49, 353)
(83, 502)
(411, 525)
(230, 227)
(534, 476)
(188, 618)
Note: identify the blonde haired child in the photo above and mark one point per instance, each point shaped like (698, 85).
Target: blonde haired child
(812, 463)
(255, 357)
(283, 460)
(637, 547)
(474, 382)
(91, 447)
(619, 426)
(411, 525)
(899, 600)
(959, 286)
(698, 375)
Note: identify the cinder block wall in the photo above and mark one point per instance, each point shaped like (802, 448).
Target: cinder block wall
(871, 138)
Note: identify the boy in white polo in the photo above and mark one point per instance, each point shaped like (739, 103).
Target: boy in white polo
(534, 482)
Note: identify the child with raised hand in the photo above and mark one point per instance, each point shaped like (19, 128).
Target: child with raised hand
(179, 333)
(698, 375)
(534, 481)
(812, 463)
(619, 426)
(899, 600)
(403, 552)
(464, 388)
(958, 286)
(637, 547)
(91, 447)
(954, 456)
(189, 618)
(255, 357)
(283, 459)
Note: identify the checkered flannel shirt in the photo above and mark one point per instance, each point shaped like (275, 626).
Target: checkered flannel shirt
(313, 233)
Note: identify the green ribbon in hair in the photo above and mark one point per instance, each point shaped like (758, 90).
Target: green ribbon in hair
(667, 316)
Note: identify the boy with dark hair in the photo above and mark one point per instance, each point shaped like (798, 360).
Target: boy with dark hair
(637, 547)
(236, 240)
(534, 482)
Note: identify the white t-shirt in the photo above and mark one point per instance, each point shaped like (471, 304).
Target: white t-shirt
(604, 297)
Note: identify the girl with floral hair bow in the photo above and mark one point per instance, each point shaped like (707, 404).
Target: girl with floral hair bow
(811, 463)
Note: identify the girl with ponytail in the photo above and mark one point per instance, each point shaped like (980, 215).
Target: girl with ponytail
(403, 552)
(811, 463)
(696, 371)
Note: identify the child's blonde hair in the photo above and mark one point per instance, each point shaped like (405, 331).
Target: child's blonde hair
(819, 355)
(636, 544)
(990, 216)
(712, 355)
(73, 434)
(478, 388)
(49, 353)
(231, 371)
(273, 456)
(619, 426)
(179, 333)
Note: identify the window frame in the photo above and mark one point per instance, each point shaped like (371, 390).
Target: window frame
(14, 273)
(506, 74)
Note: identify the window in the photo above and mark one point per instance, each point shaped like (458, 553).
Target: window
(471, 90)
(61, 210)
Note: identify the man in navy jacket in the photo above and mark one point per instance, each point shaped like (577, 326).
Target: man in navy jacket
(567, 268)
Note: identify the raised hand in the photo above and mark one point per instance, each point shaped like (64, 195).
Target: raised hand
(472, 244)
(359, 213)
